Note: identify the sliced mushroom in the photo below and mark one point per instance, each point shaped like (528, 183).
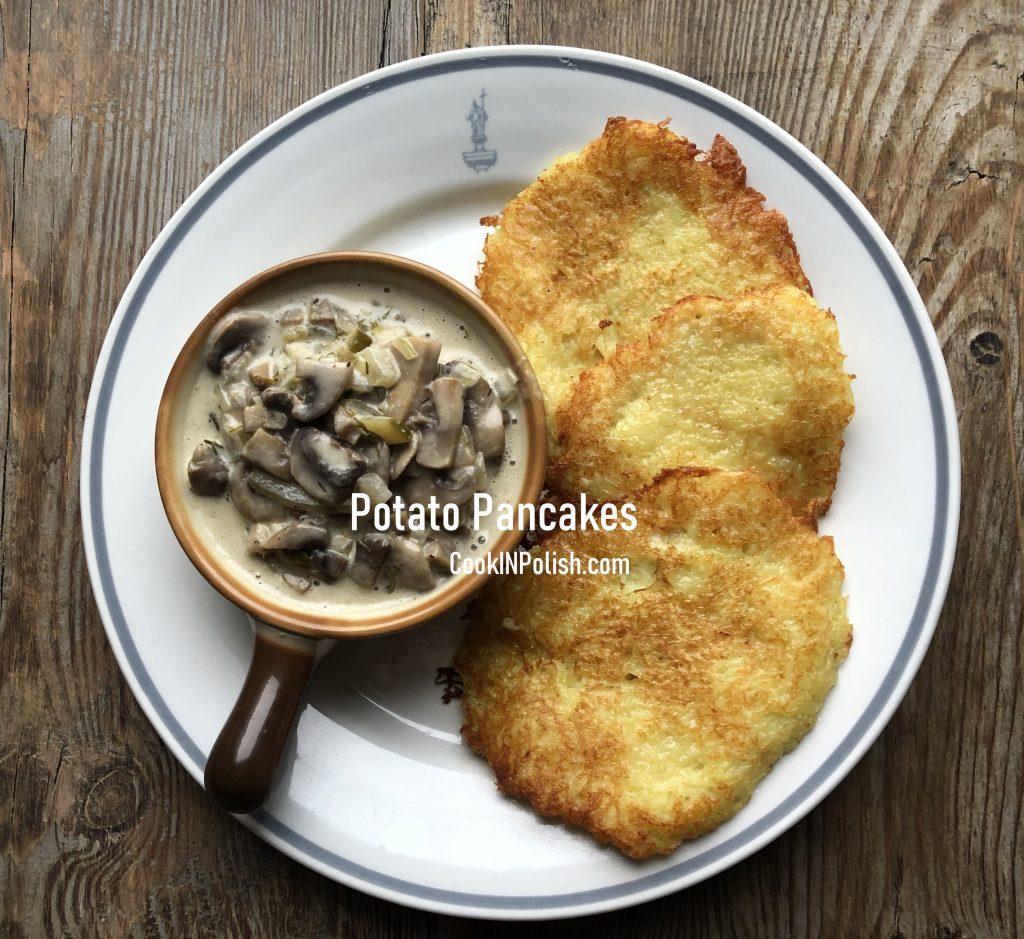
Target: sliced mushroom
(372, 551)
(330, 562)
(346, 427)
(292, 316)
(280, 399)
(298, 583)
(372, 485)
(207, 472)
(400, 521)
(377, 455)
(413, 568)
(303, 534)
(342, 544)
(326, 312)
(236, 363)
(479, 472)
(251, 504)
(325, 382)
(325, 468)
(418, 489)
(414, 469)
(264, 373)
(257, 534)
(238, 328)
(437, 446)
(464, 452)
(401, 456)
(268, 452)
(460, 484)
(438, 550)
(311, 563)
(425, 415)
(484, 420)
(452, 488)
(407, 392)
(254, 416)
(286, 494)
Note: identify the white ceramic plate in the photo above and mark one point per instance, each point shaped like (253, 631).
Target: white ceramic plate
(380, 793)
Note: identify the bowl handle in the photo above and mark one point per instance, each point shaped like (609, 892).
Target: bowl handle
(241, 770)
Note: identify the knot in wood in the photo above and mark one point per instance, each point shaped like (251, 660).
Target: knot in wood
(114, 799)
(987, 348)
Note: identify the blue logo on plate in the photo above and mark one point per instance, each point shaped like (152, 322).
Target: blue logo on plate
(479, 158)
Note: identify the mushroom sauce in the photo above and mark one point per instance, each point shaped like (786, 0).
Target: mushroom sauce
(367, 394)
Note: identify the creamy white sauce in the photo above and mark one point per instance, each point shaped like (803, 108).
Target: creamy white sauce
(222, 526)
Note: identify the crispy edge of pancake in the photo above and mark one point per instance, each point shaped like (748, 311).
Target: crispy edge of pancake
(535, 749)
(740, 209)
(583, 452)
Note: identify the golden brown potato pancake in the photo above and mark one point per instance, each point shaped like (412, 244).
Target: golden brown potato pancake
(646, 709)
(586, 256)
(756, 382)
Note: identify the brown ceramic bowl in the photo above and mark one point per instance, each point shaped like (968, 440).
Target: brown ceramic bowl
(291, 634)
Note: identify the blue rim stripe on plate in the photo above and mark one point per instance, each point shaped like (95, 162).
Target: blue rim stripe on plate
(495, 59)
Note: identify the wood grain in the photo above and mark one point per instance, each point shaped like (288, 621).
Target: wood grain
(111, 112)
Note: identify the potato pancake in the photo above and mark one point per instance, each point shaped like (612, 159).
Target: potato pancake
(647, 708)
(756, 382)
(602, 242)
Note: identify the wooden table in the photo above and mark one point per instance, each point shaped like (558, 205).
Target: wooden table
(111, 113)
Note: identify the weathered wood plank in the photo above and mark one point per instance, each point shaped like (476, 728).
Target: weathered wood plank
(115, 114)
(112, 112)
